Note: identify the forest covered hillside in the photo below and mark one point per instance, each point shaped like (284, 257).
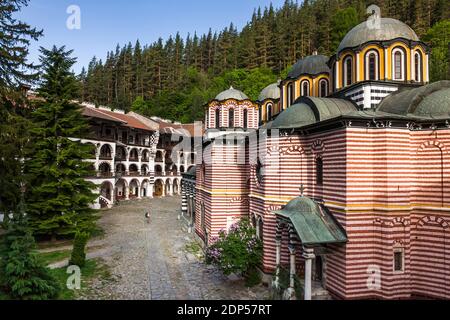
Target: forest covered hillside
(176, 77)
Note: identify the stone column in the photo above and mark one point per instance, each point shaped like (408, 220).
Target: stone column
(290, 292)
(183, 199)
(308, 254)
(278, 262)
(191, 199)
(127, 193)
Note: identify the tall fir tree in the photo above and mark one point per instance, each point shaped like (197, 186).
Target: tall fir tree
(60, 197)
(15, 37)
(23, 276)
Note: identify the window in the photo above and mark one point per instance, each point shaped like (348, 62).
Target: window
(372, 65)
(259, 173)
(399, 260)
(269, 111)
(231, 118)
(418, 66)
(217, 118)
(245, 119)
(319, 171)
(202, 217)
(348, 71)
(291, 94)
(305, 88)
(399, 64)
(260, 115)
(323, 84)
(259, 228)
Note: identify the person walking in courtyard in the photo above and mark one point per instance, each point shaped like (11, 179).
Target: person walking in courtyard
(147, 216)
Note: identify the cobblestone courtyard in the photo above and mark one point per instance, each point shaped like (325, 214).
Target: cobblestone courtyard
(151, 261)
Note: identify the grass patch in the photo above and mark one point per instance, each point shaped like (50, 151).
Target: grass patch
(194, 248)
(55, 256)
(93, 269)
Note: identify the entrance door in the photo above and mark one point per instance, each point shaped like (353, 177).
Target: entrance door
(318, 274)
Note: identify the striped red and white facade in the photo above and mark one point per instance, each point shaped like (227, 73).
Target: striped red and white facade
(389, 188)
(383, 172)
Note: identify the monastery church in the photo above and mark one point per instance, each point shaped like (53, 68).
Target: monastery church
(350, 186)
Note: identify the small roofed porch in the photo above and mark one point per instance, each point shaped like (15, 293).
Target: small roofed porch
(312, 228)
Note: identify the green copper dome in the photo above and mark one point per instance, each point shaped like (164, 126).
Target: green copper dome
(310, 110)
(231, 93)
(366, 31)
(430, 101)
(272, 91)
(311, 65)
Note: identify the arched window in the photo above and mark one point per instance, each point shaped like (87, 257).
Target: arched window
(398, 68)
(305, 88)
(319, 171)
(245, 119)
(259, 172)
(348, 71)
(202, 216)
(418, 66)
(217, 118)
(291, 94)
(269, 111)
(323, 85)
(259, 228)
(231, 118)
(372, 68)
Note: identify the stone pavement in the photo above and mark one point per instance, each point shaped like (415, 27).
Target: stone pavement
(150, 261)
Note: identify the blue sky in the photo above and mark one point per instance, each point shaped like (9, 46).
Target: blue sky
(104, 23)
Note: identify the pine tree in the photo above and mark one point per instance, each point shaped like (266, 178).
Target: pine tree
(22, 274)
(15, 38)
(60, 197)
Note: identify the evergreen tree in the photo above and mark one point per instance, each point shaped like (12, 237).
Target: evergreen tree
(22, 274)
(439, 39)
(60, 197)
(342, 21)
(15, 38)
(273, 38)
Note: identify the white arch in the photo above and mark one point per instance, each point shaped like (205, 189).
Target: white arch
(418, 74)
(402, 64)
(305, 91)
(367, 64)
(327, 89)
(347, 77)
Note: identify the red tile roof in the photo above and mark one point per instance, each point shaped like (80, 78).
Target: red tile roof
(124, 119)
(165, 126)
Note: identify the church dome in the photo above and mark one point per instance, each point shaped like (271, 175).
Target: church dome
(389, 29)
(270, 92)
(430, 101)
(231, 94)
(310, 110)
(311, 65)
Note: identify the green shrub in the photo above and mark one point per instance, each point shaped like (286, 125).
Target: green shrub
(252, 277)
(239, 251)
(78, 257)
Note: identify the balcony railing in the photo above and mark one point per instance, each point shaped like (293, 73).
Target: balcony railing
(133, 159)
(105, 174)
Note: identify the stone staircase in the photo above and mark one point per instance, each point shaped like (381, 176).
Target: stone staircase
(319, 293)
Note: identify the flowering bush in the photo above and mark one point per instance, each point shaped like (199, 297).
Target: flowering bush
(238, 251)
